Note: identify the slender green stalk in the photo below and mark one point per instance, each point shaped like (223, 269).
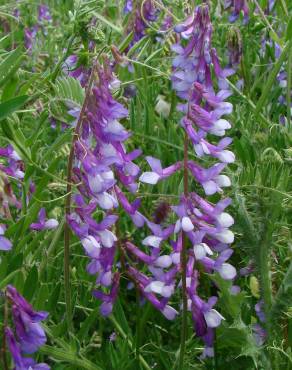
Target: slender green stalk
(130, 344)
(183, 259)
(266, 21)
(51, 248)
(265, 277)
(289, 86)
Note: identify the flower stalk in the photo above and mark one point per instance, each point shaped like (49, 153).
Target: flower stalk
(68, 202)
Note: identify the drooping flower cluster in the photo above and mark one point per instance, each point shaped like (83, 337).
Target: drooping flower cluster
(205, 225)
(141, 16)
(30, 33)
(73, 68)
(102, 161)
(237, 6)
(27, 335)
(11, 169)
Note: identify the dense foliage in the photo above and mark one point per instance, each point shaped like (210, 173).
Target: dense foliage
(145, 184)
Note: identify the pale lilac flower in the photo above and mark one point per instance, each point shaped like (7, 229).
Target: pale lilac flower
(42, 223)
(5, 244)
(44, 13)
(236, 7)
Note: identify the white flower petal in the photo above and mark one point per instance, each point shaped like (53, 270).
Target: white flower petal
(163, 261)
(227, 271)
(210, 187)
(107, 238)
(155, 287)
(187, 224)
(152, 241)
(225, 220)
(169, 312)
(225, 236)
(213, 318)
(149, 178)
(106, 201)
(51, 224)
(223, 181)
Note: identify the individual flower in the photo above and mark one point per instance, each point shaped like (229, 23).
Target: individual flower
(128, 6)
(42, 223)
(44, 13)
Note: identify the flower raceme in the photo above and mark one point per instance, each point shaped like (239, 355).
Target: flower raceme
(205, 225)
(101, 162)
(28, 334)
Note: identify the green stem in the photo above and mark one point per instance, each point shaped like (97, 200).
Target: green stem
(265, 277)
(289, 86)
(183, 258)
(130, 344)
(68, 203)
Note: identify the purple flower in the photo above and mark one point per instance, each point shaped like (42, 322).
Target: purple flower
(205, 225)
(44, 13)
(128, 7)
(5, 244)
(42, 223)
(237, 6)
(259, 333)
(20, 362)
(30, 36)
(158, 173)
(30, 335)
(141, 17)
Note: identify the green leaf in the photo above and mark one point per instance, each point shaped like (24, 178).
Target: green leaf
(70, 90)
(231, 303)
(10, 65)
(11, 105)
(69, 357)
(107, 22)
(88, 323)
(289, 30)
(8, 279)
(31, 283)
(268, 85)
(283, 298)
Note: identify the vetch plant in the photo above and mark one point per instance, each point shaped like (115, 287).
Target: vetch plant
(100, 161)
(202, 228)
